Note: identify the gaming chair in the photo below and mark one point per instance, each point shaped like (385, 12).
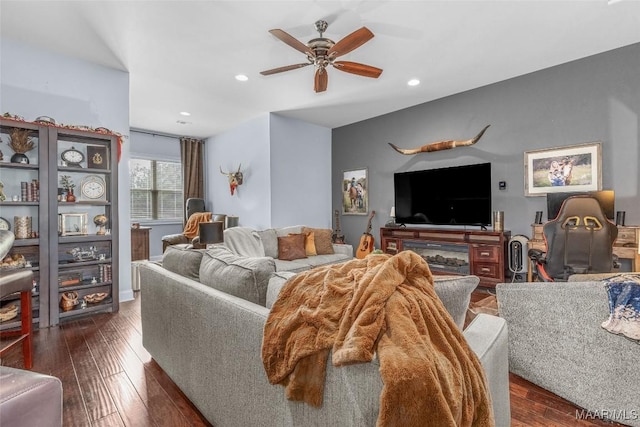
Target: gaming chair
(579, 241)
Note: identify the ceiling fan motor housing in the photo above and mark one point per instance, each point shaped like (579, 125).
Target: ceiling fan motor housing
(320, 47)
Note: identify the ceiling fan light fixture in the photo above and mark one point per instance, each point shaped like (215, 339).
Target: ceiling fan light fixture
(241, 77)
(322, 52)
(185, 113)
(413, 82)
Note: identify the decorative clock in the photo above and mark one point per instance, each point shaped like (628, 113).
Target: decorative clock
(93, 187)
(4, 224)
(73, 157)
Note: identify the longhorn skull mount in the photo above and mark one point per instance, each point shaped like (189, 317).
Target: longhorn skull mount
(235, 178)
(440, 145)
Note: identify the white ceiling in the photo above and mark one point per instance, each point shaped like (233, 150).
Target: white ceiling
(183, 55)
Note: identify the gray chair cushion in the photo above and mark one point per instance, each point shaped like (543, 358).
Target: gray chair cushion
(183, 261)
(244, 277)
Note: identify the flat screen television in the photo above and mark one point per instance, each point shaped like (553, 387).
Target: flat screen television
(459, 195)
(606, 198)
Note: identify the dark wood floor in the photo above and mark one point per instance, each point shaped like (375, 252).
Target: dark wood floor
(109, 379)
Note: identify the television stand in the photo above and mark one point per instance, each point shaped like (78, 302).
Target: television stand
(454, 252)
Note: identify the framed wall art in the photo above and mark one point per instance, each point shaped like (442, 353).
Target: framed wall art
(97, 157)
(563, 169)
(355, 190)
(72, 224)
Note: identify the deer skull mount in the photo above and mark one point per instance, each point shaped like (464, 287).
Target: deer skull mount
(235, 178)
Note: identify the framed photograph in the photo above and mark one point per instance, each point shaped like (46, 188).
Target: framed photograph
(355, 190)
(563, 169)
(72, 224)
(97, 157)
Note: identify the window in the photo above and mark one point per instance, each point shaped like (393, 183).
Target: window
(156, 189)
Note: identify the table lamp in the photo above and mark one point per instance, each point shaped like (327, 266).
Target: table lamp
(211, 232)
(392, 218)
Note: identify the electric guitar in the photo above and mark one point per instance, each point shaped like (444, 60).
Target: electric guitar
(337, 237)
(366, 241)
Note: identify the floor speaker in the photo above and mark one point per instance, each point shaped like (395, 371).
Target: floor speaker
(517, 251)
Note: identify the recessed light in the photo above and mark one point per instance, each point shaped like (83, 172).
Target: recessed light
(413, 82)
(242, 78)
(185, 113)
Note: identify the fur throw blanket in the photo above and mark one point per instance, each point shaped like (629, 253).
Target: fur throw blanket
(386, 305)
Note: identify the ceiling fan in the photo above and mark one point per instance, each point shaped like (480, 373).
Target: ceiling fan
(322, 52)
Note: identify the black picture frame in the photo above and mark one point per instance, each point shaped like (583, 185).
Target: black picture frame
(97, 157)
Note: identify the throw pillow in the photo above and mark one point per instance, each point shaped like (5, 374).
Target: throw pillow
(244, 277)
(310, 244)
(322, 238)
(184, 261)
(269, 240)
(291, 247)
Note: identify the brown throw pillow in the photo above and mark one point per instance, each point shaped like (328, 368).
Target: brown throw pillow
(291, 247)
(322, 239)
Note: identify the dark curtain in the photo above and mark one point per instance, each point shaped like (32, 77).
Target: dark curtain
(191, 153)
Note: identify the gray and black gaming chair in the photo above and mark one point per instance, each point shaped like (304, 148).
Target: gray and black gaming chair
(579, 241)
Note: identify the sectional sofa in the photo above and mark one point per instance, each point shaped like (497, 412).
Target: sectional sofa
(203, 314)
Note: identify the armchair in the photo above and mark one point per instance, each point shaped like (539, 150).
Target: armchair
(191, 230)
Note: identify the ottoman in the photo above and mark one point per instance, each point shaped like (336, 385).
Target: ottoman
(29, 399)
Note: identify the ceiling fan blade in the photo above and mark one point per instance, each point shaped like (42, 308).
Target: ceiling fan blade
(321, 80)
(292, 41)
(285, 68)
(357, 68)
(350, 42)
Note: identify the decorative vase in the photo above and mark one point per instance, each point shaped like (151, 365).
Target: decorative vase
(70, 197)
(22, 225)
(20, 158)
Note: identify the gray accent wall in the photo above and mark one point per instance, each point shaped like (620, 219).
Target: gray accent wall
(591, 99)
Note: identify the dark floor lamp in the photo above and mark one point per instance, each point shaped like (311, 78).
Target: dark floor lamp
(211, 233)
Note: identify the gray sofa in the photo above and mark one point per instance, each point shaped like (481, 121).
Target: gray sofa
(203, 314)
(247, 242)
(556, 342)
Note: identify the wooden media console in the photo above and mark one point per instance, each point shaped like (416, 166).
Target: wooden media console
(453, 252)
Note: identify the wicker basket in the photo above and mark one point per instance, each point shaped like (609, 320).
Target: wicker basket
(68, 300)
(95, 298)
(8, 312)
